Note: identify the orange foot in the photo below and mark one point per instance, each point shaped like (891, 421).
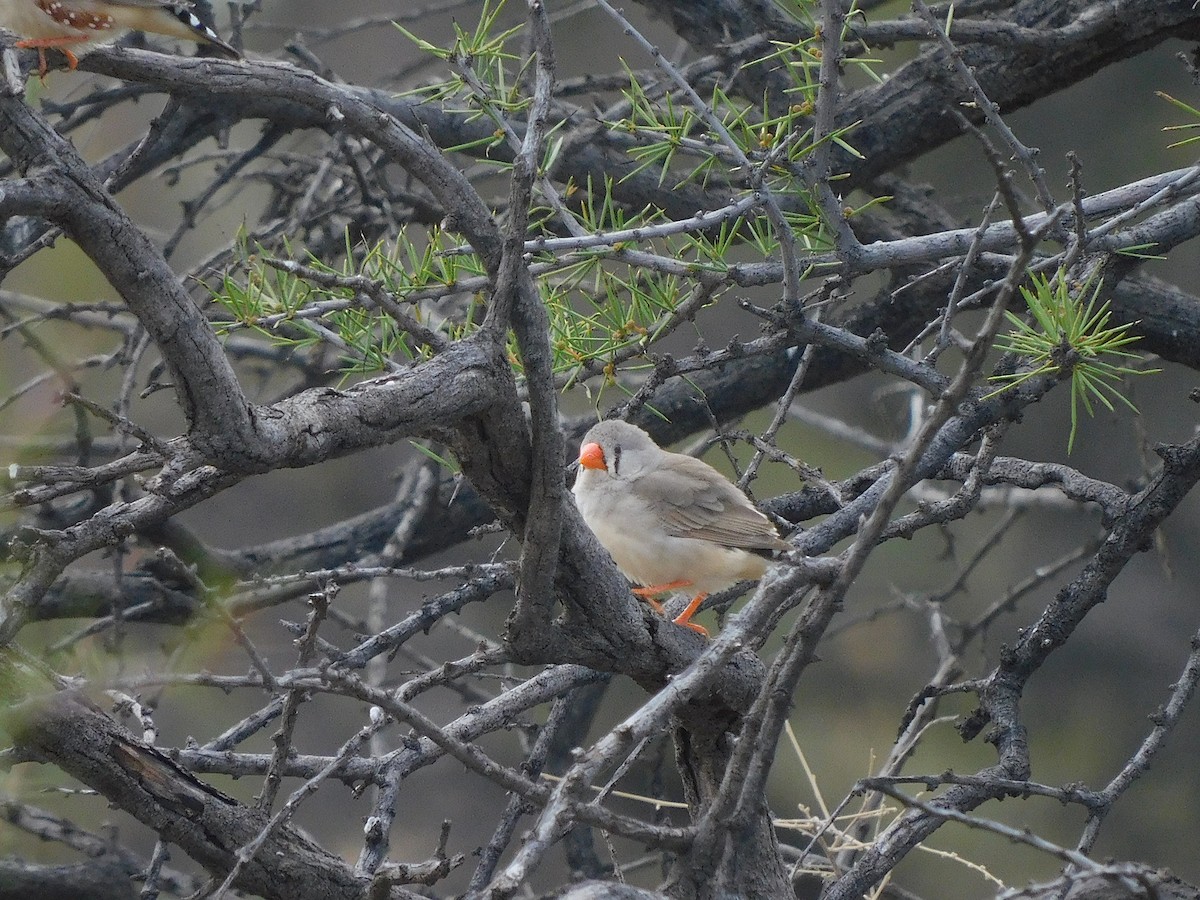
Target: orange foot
(684, 618)
(58, 43)
(647, 593)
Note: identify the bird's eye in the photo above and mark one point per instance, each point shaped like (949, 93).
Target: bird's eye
(616, 460)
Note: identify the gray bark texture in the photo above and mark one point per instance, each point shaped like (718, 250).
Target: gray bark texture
(530, 218)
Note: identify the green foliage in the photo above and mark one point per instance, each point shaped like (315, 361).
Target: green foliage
(479, 52)
(1191, 111)
(1072, 338)
(446, 462)
(807, 53)
(302, 305)
(609, 300)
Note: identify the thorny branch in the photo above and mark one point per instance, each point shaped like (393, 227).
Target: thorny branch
(446, 267)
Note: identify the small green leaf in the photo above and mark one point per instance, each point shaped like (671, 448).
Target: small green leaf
(1062, 319)
(448, 464)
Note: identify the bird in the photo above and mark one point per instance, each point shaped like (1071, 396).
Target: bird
(670, 522)
(63, 24)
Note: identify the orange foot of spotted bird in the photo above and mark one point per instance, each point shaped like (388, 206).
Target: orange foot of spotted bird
(54, 43)
(684, 618)
(62, 24)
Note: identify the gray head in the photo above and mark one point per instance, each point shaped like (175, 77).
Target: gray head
(620, 449)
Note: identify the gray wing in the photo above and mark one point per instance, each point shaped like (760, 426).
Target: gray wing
(692, 499)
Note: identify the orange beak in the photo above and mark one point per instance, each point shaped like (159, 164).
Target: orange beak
(592, 457)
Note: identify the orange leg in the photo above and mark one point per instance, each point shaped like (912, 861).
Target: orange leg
(684, 618)
(647, 594)
(653, 589)
(654, 604)
(58, 43)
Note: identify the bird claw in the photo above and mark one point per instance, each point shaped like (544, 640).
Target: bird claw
(648, 593)
(696, 627)
(652, 603)
(44, 44)
(685, 617)
(681, 619)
